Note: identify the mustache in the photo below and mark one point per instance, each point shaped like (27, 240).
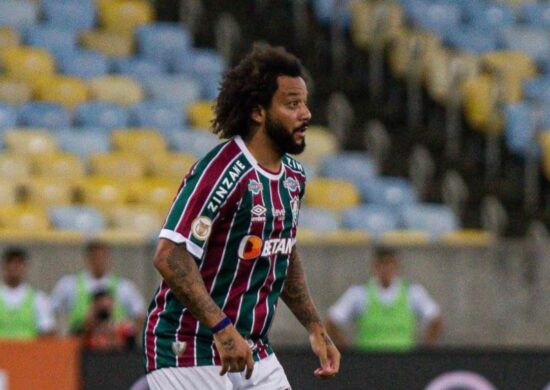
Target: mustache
(303, 127)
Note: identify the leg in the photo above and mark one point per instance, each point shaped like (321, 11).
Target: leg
(188, 378)
(268, 374)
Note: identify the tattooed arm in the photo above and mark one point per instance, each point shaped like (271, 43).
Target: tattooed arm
(298, 299)
(180, 272)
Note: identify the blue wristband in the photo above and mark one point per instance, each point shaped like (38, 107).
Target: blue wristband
(221, 325)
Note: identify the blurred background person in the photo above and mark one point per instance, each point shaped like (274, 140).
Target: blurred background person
(73, 294)
(386, 310)
(25, 313)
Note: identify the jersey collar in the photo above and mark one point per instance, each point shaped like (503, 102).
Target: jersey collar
(252, 160)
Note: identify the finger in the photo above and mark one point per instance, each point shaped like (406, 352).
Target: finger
(323, 358)
(324, 374)
(249, 365)
(225, 368)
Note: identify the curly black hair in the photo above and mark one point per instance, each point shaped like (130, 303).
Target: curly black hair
(250, 84)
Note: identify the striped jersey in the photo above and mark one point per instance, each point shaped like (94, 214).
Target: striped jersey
(238, 221)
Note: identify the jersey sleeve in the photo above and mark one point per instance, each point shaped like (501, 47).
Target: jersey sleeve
(349, 306)
(45, 320)
(423, 304)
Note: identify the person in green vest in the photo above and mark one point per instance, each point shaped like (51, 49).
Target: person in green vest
(387, 310)
(73, 294)
(25, 313)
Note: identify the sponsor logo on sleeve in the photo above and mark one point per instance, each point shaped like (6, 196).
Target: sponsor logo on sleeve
(201, 228)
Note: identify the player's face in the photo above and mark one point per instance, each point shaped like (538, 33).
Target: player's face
(386, 270)
(288, 116)
(15, 271)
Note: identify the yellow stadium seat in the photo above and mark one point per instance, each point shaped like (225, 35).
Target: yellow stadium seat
(14, 167)
(108, 43)
(59, 165)
(406, 44)
(24, 217)
(26, 63)
(8, 192)
(116, 89)
(124, 16)
(49, 192)
(14, 92)
(139, 141)
(154, 192)
(481, 97)
(200, 114)
(467, 237)
(331, 194)
(29, 141)
(405, 238)
(372, 20)
(9, 38)
(544, 141)
(103, 192)
(510, 63)
(119, 166)
(322, 142)
(65, 90)
(139, 219)
(345, 237)
(172, 166)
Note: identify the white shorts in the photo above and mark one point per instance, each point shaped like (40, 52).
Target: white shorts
(268, 374)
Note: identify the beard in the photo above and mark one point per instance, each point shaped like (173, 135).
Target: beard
(282, 139)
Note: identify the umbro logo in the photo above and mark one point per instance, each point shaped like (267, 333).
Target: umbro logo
(258, 210)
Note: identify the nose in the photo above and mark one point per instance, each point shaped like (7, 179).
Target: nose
(305, 114)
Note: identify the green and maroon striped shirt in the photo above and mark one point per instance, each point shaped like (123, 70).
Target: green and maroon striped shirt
(238, 220)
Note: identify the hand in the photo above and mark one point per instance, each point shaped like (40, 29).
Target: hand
(234, 351)
(328, 354)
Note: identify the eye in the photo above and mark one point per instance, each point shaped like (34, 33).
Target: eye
(293, 104)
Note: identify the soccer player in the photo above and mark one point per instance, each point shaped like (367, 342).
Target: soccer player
(227, 251)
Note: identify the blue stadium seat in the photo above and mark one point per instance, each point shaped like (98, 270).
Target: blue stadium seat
(317, 219)
(175, 89)
(434, 219)
(43, 114)
(18, 13)
(472, 39)
(70, 14)
(372, 218)
(522, 123)
(163, 41)
(537, 89)
(83, 141)
(388, 191)
(156, 114)
(85, 64)
(8, 117)
(193, 141)
(438, 17)
(138, 68)
(101, 114)
(324, 11)
(529, 40)
(356, 167)
(204, 65)
(490, 16)
(535, 14)
(54, 39)
(87, 220)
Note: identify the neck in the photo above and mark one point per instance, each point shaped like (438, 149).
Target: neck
(263, 150)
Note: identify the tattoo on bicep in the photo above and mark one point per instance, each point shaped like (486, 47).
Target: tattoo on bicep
(296, 294)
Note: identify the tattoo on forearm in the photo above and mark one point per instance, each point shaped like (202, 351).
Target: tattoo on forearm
(296, 294)
(187, 285)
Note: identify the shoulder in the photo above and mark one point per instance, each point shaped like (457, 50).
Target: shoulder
(66, 281)
(294, 165)
(219, 157)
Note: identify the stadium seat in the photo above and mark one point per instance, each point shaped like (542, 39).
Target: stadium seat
(490, 16)
(195, 142)
(14, 167)
(24, 217)
(83, 141)
(472, 39)
(67, 91)
(51, 38)
(437, 17)
(26, 63)
(481, 96)
(529, 40)
(108, 43)
(171, 166)
(373, 219)
(163, 42)
(138, 219)
(509, 64)
(8, 192)
(69, 14)
(119, 166)
(9, 37)
(200, 114)
(318, 220)
(355, 167)
(14, 92)
(124, 16)
(536, 14)
(101, 114)
(120, 90)
(205, 66)
(405, 237)
(467, 237)
(325, 12)
(87, 220)
(175, 89)
(29, 142)
(157, 193)
(332, 194)
(60, 165)
(325, 143)
(46, 191)
(18, 13)
(138, 68)
(160, 115)
(8, 117)
(103, 192)
(84, 64)
(388, 191)
(139, 141)
(544, 141)
(521, 128)
(537, 89)
(433, 219)
(43, 114)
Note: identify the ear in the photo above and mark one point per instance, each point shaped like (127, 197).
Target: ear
(258, 115)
